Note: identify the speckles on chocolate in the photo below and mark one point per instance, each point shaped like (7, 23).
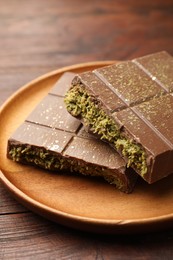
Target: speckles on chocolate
(130, 83)
(100, 88)
(92, 151)
(53, 147)
(52, 112)
(162, 106)
(160, 67)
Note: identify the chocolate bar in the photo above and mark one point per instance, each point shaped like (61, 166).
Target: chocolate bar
(54, 140)
(130, 105)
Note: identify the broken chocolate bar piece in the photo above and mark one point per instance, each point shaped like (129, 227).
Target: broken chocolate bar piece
(54, 140)
(130, 106)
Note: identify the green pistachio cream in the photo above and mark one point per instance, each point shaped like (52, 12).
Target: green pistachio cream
(81, 105)
(47, 160)
(36, 156)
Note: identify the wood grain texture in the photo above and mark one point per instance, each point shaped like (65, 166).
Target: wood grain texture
(39, 36)
(25, 236)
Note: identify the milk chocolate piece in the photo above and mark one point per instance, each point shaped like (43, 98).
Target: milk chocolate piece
(54, 140)
(130, 105)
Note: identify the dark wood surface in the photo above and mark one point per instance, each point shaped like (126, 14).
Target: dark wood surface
(40, 36)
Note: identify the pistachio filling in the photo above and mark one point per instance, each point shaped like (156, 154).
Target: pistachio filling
(80, 104)
(39, 157)
(46, 160)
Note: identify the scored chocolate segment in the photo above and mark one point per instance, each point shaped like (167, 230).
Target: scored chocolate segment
(52, 139)
(46, 114)
(159, 67)
(92, 151)
(38, 135)
(62, 85)
(159, 113)
(139, 125)
(128, 82)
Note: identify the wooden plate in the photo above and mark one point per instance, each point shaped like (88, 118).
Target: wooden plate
(76, 201)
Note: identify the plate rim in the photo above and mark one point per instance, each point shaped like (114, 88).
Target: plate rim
(21, 194)
(85, 221)
(89, 224)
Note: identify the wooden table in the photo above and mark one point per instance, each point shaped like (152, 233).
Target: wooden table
(40, 36)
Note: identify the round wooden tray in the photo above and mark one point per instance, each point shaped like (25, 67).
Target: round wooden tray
(76, 201)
